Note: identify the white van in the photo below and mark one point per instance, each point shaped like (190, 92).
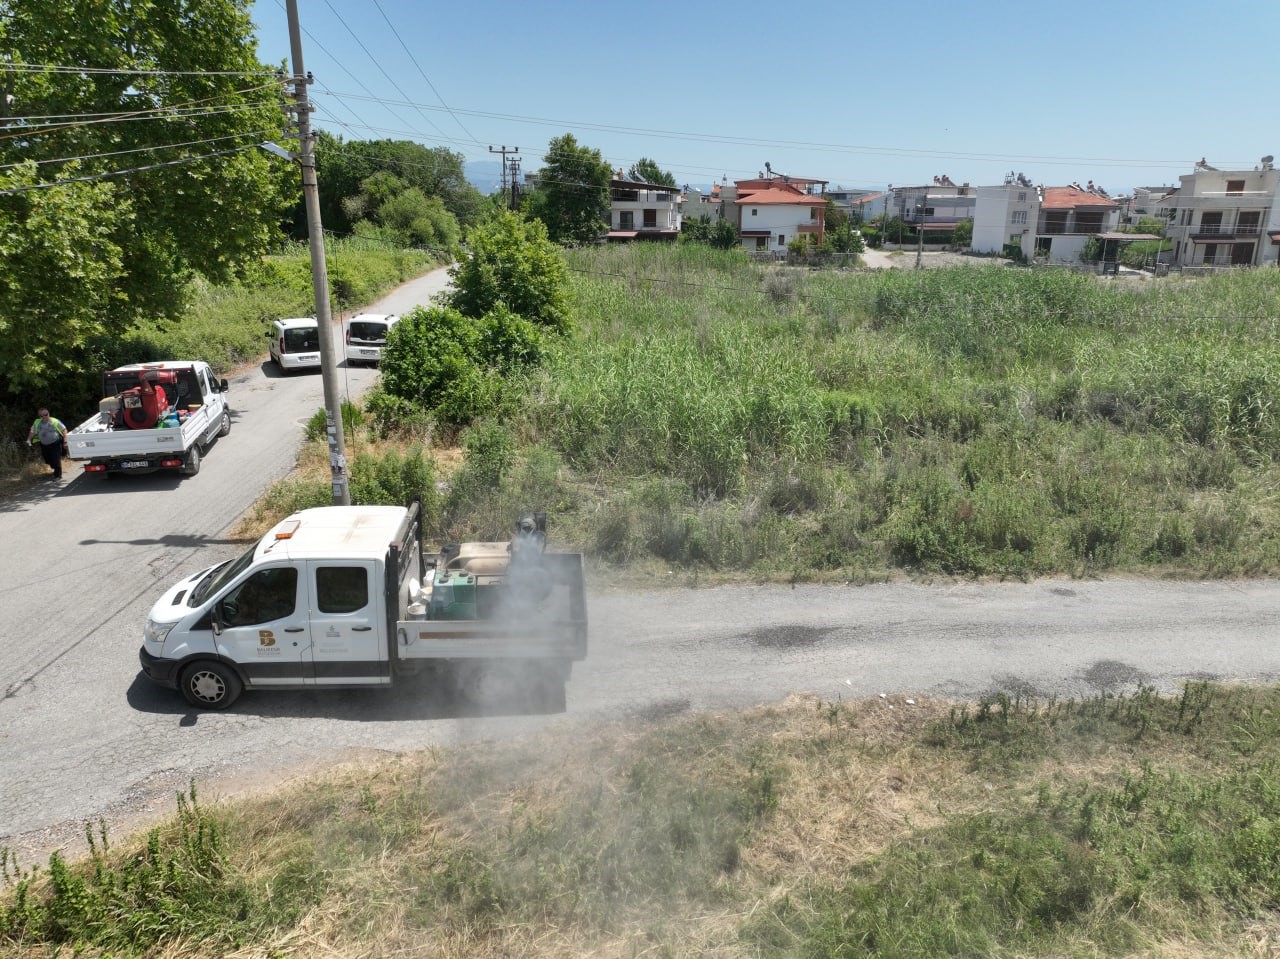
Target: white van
(295, 343)
(366, 335)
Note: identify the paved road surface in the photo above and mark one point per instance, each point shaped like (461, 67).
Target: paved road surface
(83, 734)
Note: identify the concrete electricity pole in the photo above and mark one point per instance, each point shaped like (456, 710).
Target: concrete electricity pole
(319, 273)
(504, 151)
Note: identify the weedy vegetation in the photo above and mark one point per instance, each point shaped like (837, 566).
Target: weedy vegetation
(1127, 824)
(714, 417)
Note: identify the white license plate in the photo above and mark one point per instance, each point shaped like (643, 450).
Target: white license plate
(135, 464)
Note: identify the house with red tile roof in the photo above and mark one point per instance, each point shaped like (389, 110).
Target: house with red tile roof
(770, 212)
(1069, 217)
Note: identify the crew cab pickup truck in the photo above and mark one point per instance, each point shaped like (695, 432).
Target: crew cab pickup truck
(344, 596)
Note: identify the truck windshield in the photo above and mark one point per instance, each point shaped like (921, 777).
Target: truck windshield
(221, 575)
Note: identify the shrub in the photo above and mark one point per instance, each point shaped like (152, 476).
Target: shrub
(510, 261)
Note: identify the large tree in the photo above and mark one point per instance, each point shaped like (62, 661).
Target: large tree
(344, 168)
(572, 196)
(141, 119)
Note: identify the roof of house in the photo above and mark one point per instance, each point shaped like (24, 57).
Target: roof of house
(777, 195)
(1070, 197)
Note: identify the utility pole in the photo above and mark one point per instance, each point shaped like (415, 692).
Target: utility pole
(504, 151)
(319, 272)
(920, 208)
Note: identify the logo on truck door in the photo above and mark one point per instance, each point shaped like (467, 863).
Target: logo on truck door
(266, 638)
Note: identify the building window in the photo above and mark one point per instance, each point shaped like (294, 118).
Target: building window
(754, 211)
(650, 218)
(1022, 196)
(1019, 216)
(782, 239)
(1235, 187)
(626, 220)
(1211, 222)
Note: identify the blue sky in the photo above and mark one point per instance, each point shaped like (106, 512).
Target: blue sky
(1123, 93)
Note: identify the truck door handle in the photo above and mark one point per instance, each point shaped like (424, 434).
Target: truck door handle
(361, 629)
(293, 629)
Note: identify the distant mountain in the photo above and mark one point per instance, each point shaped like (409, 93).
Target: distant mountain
(484, 175)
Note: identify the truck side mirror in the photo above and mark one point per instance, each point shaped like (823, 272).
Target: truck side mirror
(215, 618)
(222, 386)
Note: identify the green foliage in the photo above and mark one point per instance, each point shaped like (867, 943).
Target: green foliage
(572, 196)
(455, 367)
(206, 55)
(719, 234)
(395, 479)
(962, 235)
(82, 262)
(179, 887)
(357, 177)
(318, 426)
(509, 261)
(60, 267)
(645, 170)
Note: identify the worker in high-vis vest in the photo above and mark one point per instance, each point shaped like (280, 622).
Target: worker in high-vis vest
(52, 436)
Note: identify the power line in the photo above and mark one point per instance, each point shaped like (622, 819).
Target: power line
(159, 111)
(256, 134)
(112, 173)
(61, 68)
(400, 37)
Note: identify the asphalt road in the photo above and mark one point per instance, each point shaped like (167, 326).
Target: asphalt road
(83, 735)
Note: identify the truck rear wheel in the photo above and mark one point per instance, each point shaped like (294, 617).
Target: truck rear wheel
(192, 466)
(210, 685)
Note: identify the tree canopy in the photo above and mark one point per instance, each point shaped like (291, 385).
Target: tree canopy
(572, 195)
(510, 262)
(140, 122)
(349, 172)
(645, 170)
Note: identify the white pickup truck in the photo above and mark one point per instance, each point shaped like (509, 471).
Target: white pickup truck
(343, 596)
(153, 416)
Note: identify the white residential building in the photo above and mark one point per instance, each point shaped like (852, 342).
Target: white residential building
(643, 211)
(1006, 215)
(1226, 217)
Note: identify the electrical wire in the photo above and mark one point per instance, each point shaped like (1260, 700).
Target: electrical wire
(113, 173)
(147, 149)
(377, 63)
(62, 68)
(142, 113)
(400, 36)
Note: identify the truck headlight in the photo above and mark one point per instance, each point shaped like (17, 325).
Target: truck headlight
(155, 632)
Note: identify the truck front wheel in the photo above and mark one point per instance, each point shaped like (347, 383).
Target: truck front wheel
(210, 685)
(224, 427)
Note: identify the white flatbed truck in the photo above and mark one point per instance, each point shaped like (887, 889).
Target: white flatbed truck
(344, 596)
(153, 416)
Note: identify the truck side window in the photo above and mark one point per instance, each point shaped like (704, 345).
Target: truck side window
(267, 595)
(341, 589)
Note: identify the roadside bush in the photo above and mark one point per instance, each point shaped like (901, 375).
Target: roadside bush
(396, 479)
(510, 261)
(318, 426)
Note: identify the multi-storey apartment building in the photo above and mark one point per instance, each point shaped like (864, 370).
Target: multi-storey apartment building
(1226, 217)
